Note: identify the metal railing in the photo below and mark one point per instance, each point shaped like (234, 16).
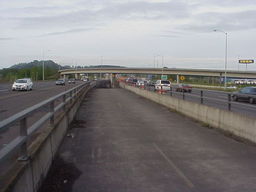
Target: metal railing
(25, 131)
(225, 102)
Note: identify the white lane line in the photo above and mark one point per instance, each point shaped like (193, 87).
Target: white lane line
(4, 90)
(177, 170)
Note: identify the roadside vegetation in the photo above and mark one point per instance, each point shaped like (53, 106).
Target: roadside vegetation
(31, 70)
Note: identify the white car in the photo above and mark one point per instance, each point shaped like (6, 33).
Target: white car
(140, 83)
(164, 85)
(22, 84)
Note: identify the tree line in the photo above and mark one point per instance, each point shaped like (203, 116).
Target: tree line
(33, 70)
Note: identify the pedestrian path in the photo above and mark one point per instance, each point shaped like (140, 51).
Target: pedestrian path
(121, 142)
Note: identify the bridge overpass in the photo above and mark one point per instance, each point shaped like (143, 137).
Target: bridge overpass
(159, 71)
(120, 141)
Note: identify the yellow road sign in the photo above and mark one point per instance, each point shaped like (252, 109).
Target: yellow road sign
(182, 78)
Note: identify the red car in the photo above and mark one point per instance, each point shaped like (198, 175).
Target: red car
(184, 87)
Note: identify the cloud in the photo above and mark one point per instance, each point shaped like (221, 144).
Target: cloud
(206, 22)
(67, 32)
(6, 38)
(179, 13)
(112, 11)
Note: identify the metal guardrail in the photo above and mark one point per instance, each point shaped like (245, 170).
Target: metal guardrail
(225, 103)
(20, 142)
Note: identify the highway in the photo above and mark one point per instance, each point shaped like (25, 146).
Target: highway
(12, 102)
(218, 99)
(123, 142)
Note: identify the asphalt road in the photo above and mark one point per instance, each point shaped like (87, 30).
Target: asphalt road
(12, 102)
(214, 98)
(123, 142)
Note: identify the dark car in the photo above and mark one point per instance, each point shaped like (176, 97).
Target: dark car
(151, 83)
(60, 82)
(131, 81)
(184, 88)
(245, 94)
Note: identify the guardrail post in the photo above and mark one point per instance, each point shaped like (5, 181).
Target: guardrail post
(183, 94)
(70, 96)
(74, 94)
(201, 97)
(229, 101)
(23, 148)
(64, 102)
(52, 111)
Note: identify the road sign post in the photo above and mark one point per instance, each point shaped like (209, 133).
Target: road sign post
(246, 61)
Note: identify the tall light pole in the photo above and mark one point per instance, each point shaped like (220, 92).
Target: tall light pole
(162, 64)
(101, 63)
(43, 66)
(226, 55)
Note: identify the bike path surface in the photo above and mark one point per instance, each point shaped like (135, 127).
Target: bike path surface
(123, 142)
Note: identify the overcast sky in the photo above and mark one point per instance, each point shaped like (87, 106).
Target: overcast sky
(132, 33)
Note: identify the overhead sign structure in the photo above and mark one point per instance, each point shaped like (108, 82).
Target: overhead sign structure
(163, 77)
(246, 61)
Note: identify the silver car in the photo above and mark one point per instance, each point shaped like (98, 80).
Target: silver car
(164, 85)
(22, 84)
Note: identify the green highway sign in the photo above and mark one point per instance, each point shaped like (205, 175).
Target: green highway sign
(163, 77)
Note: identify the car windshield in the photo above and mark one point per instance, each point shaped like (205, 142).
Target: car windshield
(21, 81)
(165, 82)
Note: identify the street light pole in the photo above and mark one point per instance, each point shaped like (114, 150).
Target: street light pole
(43, 67)
(101, 63)
(226, 55)
(162, 64)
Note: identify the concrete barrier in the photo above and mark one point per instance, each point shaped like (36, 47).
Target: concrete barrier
(234, 123)
(28, 176)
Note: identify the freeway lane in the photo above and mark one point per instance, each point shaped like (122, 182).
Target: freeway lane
(218, 99)
(123, 142)
(12, 102)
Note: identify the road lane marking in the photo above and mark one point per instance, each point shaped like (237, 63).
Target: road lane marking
(26, 92)
(4, 90)
(9, 96)
(177, 170)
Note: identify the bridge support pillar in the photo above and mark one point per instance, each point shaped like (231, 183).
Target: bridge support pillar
(77, 76)
(113, 80)
(178, 78)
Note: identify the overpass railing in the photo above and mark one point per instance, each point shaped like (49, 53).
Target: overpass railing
(205, 97)
(53, 106)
